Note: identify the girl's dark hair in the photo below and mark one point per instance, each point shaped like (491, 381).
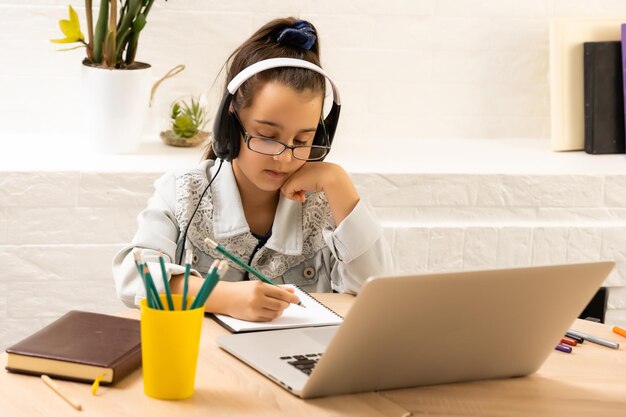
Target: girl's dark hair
(264, 44)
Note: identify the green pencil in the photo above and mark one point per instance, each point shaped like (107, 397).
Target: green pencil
(166, 283)
(143, 279)
(188, 258)
(138, 264)
(235, 259)
(210, 281)
(210, 273)
(152, 287)
(221, 270)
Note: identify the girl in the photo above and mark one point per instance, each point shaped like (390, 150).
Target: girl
(263, 193)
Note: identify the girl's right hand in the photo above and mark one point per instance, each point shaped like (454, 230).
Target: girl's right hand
(256, 300)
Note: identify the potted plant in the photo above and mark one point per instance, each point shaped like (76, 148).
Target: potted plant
(187, 119)
(116, 87)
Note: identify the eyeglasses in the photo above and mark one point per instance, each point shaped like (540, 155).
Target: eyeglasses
(272, 147)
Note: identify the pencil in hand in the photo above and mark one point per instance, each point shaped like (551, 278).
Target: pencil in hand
(214, 245)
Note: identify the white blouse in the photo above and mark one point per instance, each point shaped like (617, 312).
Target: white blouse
(305, 247)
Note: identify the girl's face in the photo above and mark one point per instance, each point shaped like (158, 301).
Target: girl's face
(286, 115)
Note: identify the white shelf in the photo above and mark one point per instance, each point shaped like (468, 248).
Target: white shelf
(450, 156)
(472, 156)
(30, 153)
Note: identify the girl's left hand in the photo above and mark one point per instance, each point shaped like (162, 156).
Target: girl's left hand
(310, 177)
(325, 177)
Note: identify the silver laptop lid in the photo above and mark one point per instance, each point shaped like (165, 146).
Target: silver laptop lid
(412, 330)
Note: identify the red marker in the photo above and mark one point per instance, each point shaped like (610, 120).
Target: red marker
(568, 341)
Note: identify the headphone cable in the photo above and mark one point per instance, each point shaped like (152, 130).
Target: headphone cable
(182, 252)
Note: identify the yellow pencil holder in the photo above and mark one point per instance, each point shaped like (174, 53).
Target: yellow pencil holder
(169, 348)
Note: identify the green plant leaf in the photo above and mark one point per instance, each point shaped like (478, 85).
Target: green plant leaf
(188, 117)
(175, 111)
(71, 29)
(100, 31)
(184, 127)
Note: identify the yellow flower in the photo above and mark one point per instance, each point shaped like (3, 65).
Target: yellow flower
(71, 29)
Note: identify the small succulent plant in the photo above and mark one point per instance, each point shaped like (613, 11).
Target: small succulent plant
(187, 118)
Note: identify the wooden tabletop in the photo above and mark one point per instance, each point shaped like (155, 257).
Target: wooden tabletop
(589, 381)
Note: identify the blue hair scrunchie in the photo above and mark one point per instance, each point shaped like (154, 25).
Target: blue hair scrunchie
(301, 34)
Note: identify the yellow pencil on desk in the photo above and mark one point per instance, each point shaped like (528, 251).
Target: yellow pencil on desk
(61, 393)
(214, 245)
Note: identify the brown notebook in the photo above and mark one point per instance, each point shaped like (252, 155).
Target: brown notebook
(80, 346)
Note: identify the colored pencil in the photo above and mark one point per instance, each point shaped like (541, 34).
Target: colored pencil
(188, 258)
(210, 280)
(138, 263)
(152, 287)
(166, 283)
(214, 245)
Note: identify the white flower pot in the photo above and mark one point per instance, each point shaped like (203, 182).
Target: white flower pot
(115, 105)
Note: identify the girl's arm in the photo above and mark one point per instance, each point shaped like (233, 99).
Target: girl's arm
(246, 300)
(157, 232)
(331, 179)
(358, 248)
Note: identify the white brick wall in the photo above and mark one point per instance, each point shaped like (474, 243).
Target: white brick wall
(514, 246)
(413, 69)
(57, 257)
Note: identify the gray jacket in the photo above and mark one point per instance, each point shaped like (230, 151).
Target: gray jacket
(305, 247)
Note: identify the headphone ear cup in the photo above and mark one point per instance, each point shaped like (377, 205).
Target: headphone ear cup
(221, 129)
(233, 134)
(326, 128)
(331, 122)
(320, 134)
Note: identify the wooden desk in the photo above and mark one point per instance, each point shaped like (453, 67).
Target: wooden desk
(590, 381)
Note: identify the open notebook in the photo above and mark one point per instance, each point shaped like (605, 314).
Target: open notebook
(315, 314)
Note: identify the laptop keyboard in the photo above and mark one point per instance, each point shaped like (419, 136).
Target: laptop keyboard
(305, 363)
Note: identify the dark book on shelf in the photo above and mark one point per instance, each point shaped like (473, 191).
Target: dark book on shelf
(623, 34)
(604, 98)
(80, 346)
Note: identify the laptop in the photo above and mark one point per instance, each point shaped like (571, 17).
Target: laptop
(413, 330)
